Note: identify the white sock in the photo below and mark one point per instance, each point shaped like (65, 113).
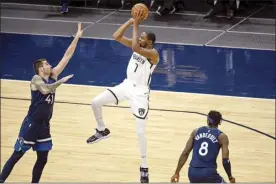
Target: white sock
(102, 99)
(140, 128)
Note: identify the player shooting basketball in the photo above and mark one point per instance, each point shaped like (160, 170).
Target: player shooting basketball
(135, 88)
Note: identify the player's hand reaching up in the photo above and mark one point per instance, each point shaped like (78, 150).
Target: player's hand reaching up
(80, 31)
(175, 178)
(65, 79)
(138, 17)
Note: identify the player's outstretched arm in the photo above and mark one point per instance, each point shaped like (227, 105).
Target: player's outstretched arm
(68, 54)
(224, 141)
(38, 84)
(118, 35)
(152, 54)
(184, 156)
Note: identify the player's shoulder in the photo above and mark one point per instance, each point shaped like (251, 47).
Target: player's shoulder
(201, 128)
(156, 57)
(156, 52)
(223, 138)
(223, 135)
(194, 132)
(35, 79)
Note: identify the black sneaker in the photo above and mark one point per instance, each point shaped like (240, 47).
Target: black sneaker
(99, 135)
(144, 172)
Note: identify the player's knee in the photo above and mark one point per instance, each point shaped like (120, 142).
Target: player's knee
(140, 133)
(140, 127)
(95, 103)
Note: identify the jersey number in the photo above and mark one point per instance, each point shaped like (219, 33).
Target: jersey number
(203, 150)
(50, 99)
(136, 67)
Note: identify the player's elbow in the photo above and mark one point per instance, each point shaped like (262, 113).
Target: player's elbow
(116, 37)
(45, 91)
(186, 153)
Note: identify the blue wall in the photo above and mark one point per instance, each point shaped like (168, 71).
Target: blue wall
(196, 69)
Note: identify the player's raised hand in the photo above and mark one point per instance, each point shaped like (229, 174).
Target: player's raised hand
(138, 17)
(65, 79)
(80, 31)
(175, 178)
(232, 180)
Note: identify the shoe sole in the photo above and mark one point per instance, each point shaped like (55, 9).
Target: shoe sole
(98, 140)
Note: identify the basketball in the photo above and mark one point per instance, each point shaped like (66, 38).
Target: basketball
(140, 6)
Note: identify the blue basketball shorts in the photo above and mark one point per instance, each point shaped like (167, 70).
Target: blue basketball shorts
(35, 135)
(204, 175)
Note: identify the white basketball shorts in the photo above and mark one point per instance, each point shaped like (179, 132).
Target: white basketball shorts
(137, 96)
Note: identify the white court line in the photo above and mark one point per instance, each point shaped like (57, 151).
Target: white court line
(158, 91)
(164, 27)
(55, 6)
(246, 18)
(72, 21)
(45, 34)
(46, 20)
(105, 38)
(184, 28)
(66, 21)
(98, 20)
(38, 34)
(244, 32)
(236, 47)
(92, 37)
(206, 44)
(214, 38)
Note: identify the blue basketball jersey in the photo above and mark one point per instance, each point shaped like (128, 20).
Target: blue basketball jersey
(41, 108)
(206, 147)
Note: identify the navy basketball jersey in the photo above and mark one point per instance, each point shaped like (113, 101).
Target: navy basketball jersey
(206, 147)
(41, 108)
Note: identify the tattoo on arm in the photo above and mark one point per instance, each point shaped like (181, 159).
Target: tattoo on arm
(43, 87)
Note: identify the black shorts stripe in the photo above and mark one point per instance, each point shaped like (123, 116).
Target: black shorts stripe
(150, 74)
(117, 101)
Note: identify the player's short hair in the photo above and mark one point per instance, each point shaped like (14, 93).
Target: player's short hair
(214, 118)
(151, 36)
(37, 64)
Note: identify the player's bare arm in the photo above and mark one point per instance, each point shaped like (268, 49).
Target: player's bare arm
(152, 54)
(68, 54)
(119, 34)
(37, 83)
(184, 156)
(224, 141)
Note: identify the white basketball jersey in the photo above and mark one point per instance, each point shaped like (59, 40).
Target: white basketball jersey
(139, 69)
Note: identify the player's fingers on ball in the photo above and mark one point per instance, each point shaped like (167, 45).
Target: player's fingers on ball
(140, 13)
(136, 14)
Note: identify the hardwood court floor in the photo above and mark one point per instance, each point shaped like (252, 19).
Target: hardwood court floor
(117, 159)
